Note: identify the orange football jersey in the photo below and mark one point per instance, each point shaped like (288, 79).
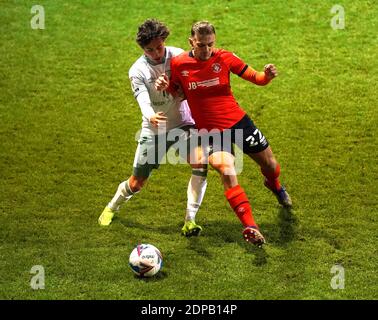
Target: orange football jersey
(206, 85)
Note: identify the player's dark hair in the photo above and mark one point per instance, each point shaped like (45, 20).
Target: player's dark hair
(202, 28)
(151, 29)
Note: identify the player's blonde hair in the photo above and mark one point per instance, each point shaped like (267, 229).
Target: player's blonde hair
(202, 28)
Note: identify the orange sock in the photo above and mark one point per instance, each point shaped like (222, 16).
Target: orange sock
(272, 180)
(239, 203)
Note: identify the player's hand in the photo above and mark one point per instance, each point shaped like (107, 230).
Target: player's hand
(162, 83)
(270, 71)
(159, 120)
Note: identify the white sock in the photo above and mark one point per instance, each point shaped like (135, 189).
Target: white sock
(196, 191)
(122, 195)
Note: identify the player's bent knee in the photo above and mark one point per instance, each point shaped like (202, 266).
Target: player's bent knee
(198, 166)
(225, 169)
(136, 183)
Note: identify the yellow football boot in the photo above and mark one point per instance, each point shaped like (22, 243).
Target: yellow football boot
(106, 217)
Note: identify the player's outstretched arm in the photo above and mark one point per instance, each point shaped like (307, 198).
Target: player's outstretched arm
(260, 78)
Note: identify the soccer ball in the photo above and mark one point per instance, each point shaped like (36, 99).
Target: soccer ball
(145, 260)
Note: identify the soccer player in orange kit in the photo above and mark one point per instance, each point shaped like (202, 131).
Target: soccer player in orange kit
(203, 74)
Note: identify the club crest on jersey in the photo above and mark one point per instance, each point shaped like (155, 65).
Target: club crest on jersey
(216, 67)
(185, 73)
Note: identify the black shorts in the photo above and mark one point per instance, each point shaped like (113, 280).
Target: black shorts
(244, 134)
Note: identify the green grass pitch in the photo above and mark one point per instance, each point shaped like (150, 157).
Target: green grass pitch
(67, 139)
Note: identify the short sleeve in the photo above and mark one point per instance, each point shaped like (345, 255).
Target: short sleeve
(235, 64)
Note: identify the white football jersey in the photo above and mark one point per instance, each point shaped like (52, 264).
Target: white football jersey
(142, 75)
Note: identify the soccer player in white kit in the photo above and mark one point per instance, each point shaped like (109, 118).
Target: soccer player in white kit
(163, 116)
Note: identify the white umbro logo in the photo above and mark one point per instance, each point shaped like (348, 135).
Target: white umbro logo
(241, 210)
(185, 73)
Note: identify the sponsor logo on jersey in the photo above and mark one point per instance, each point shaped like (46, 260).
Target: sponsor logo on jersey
(185, 73)
(158, 103)
(216, 67)
(209, 83)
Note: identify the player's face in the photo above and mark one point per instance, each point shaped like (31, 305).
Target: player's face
(155, 50)
(202, 45)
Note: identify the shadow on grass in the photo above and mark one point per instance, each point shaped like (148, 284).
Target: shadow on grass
(260, 256)
(161, 275)
(283, 232)
(130, 223)
(279, 233)
(219, 234)
(199, 245)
